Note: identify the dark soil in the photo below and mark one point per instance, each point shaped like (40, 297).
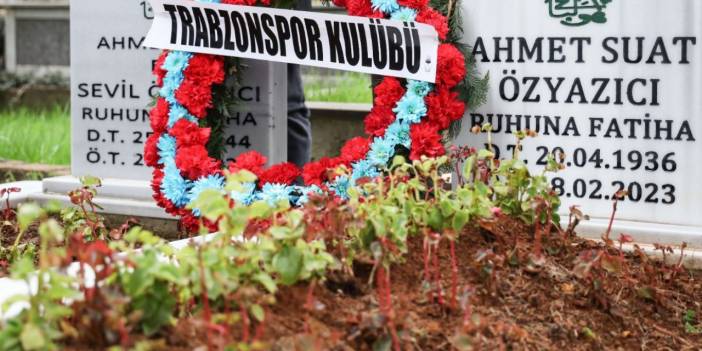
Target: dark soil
(515, 305)
(167, 229)
(8, 234)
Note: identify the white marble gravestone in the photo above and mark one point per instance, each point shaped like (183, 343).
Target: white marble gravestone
(572, 71)
(111, 90)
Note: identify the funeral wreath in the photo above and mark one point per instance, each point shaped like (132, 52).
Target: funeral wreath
(409, 118)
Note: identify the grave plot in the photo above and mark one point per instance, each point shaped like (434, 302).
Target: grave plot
(399, 242)
(401, 264)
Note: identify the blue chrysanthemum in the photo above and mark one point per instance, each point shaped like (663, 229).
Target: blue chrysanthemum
(176, 61)
(247, 196)
(215, 182)
(166, 148)
(363, 169)
(410, 108)
(174, 187)
(387, 6)
(177, 112)
(171, 82)
(340, 186)
(404, 14)
(418, 87)
(380, 151)
(274, 193)
(398, 133)
(304, 194)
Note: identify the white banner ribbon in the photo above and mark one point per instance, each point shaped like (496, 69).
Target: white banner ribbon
(367, 45)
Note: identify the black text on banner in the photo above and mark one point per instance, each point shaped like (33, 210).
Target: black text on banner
(368, 45)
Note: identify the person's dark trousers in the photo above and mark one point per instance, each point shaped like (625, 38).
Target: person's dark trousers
(299, 130)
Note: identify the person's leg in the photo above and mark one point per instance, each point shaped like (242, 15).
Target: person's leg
(299, 130)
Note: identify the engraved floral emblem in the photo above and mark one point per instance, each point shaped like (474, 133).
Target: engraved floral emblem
(578, 12)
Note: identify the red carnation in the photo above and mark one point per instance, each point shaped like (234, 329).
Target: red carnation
(444, 107)
(378, 120)
(189, 222)
(205, 69)
(197, 98)
(240, 2)
(158, 71)
(376, 14)
(158, 116)
(359, 8)
(355, 149)
(166, 204)
(188, 133)
(283, 173)
(161, 200)
(434, 18)
(156, 180)
(194, 162)
(450, 66)
(192, 224)
(426, 141)
(340, 3)
(151, 150)
(388, 92)
(315, 173)
(415, 4)
(251, 161)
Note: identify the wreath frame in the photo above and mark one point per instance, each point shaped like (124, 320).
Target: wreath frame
(408, 117)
